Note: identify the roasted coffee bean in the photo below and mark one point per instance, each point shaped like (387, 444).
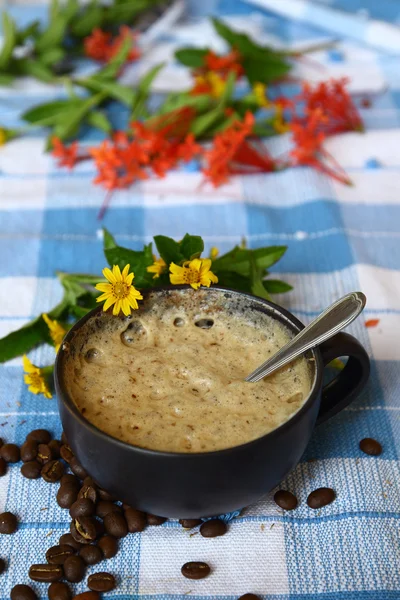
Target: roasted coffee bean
(57, 555)
(3, 467)
(66, 453)
(103, 508)
(69, 479)
(67, 495)
(22, 592)
(67, 540)
(371, 447)
(83, 530)
(190, 523)
(88, 491)
(52, 471)
(10, 453)
(101, 582)
(100, 529)
(87, 596)
(115, 524)
(74, 569)
(44, 454)
(136, 520)
(77, 468)
(154, 520)
(59, 591)
(46, 573)
(82, 508)
(108, 545)
(91, 555)
(29, 450)
(103, 495)
(285, 500)
(195, 570)
(249, 597)
(89, 481)
(2, 566)
(55, 446)
(213, 528)
(31, 469)
(41, 436)
(321, 497)
(126, 506)
(8, 523)
(64, 438)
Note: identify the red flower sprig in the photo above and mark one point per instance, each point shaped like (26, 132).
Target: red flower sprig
(102, 46)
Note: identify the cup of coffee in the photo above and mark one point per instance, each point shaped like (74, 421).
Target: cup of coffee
(156, 409)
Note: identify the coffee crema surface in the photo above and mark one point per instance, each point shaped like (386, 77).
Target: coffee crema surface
(170, 377)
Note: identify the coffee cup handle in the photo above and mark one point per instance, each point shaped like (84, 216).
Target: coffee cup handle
(344, 388)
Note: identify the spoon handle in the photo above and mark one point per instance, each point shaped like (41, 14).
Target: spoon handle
(335, 318)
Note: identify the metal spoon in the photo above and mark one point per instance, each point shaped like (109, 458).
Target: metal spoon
(335, 318)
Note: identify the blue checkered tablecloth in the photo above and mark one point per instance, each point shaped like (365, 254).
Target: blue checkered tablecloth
(339, 238)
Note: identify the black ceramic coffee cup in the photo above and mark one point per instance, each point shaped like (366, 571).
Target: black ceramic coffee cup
(196, 485)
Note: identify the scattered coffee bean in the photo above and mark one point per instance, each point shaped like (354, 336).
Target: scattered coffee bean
(10, 453)
(321, 497)
(29, 450)
(69, 479)
(41, 436)
(31, 469)
(46, 573)
(67, 540)
(213, 528)
(104, 507)
(22, 592)
(82, 508)
(89, 481)
(66, 453)
(59, 591)
(57, 555)
(64, 438)
(285, 500)
(52, 471)
(108, 545)
(104, 495)
(2, 566)
(195, 570)
(100, 529)
(8, 523)
(371, 447)
(91, 555)
(77, 468)
(44, 454)
(249, 597)
(67, 495)
(83, 530)
(55, 446)
(74, 569)
(3, 467)
(154, 520)
(88, 491)
(136, 520)
(190, 523)
(101, 582)
(115, 524)
(87, 596)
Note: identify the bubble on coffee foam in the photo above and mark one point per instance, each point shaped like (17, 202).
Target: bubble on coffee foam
(134, 333)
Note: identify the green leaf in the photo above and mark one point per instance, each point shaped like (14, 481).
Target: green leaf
(142, 91)
(9, 41)
(228, 90)
(112, 69)
(275, 286)
(169, 249)
(191, 57)
(67, 127)
(54, 9)
(53, 35)
(125, 12)
(234, 281)
(30, 30)
(52, 56)
(50, 113)
(257, 287)
(239, 259)
(259, 70)
(71, 9)
(91, 18)
(191, 246)
(201, 124)
(138, 261)
(108, 240)
(24, 339)
(6, 79)
(200, 103)
(97, 119)
(114, 90)
(34, 68)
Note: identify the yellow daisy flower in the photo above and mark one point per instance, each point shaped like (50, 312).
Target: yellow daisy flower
(195, 272)
(119, 291)
(57, 331)
(218, 84)
(214, 253)
(158, 267)
(260, 92)
(3, 137)
(35, 378)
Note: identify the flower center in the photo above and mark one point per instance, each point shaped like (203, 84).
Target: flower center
(191, 276)
(121, 290)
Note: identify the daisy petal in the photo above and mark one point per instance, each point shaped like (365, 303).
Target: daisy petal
(109, 275)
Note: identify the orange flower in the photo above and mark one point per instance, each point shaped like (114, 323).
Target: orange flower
(67, 156)
(223, 65)
(372, 322)
(101, 46)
